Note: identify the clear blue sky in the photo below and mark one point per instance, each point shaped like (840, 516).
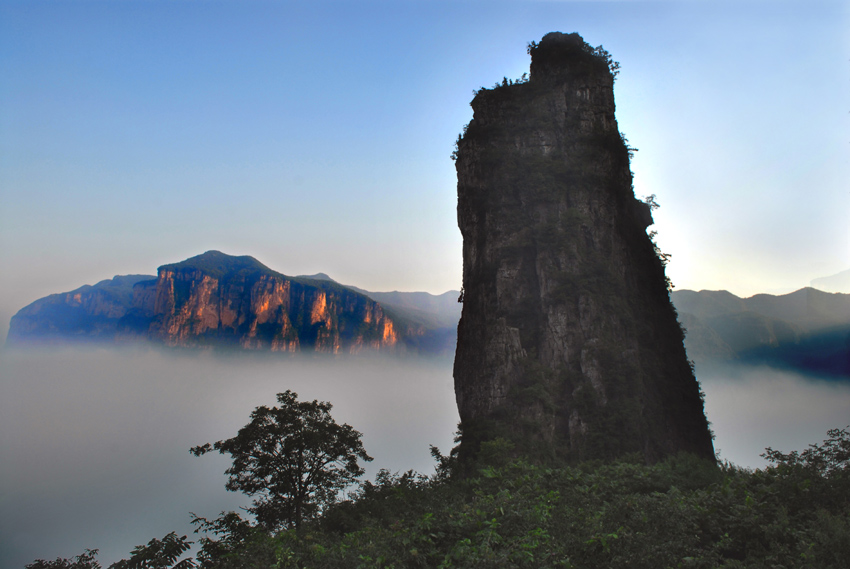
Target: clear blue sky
(316, 136)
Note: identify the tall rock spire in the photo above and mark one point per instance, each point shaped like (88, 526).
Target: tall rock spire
(568, 343)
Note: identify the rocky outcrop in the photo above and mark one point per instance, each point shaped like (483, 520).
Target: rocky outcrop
(215, 300)
(567, 343)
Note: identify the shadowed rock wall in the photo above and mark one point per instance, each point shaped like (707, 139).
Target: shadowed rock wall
(568, 342)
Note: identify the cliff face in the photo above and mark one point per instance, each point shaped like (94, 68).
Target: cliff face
(567, 341)
(187, 307)
(216, 300)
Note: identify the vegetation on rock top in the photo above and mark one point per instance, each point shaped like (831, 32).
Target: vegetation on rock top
(218, 265)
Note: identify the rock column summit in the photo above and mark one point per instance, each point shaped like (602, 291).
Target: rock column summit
(568, 343)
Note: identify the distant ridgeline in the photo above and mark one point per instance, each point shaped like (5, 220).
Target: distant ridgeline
(220, 300)
(807, 330)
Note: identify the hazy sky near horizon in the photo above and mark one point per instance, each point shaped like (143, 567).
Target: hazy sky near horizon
(316, 136)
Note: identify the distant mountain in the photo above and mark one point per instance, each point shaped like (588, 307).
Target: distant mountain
(807, 330)
(836, 283)
(215, 299)
(219, 300)
(317, 277)
(90, 312)
(436, 316)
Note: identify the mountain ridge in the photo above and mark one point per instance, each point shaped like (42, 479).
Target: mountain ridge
(839, 282)
(214, 299)
(807, 330)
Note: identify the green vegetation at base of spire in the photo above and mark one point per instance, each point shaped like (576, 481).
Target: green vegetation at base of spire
(682, 512)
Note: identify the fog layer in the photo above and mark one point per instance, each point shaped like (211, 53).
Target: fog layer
(751, 408)
(94, 443)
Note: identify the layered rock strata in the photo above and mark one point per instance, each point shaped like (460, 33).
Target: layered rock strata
(215, 300)
(191, 303)
(568, 343)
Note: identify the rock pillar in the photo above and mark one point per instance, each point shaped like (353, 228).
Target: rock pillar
(568, 343)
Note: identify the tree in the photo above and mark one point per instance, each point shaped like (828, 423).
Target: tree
(85, 560)
(832, 458)
(295, 459)
(231, 542)
(159, 554)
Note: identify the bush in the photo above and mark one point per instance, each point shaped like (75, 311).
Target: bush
(682, 512)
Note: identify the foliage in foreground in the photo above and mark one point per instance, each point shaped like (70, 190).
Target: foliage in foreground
(682, 512)
(162, 553)
(85, 560)
(295, 459)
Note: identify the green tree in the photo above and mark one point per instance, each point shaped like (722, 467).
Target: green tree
(828, 459)
(159, 554)
(294, 459)
(85, 560)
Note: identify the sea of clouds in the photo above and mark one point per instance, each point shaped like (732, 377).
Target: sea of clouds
(94, 442)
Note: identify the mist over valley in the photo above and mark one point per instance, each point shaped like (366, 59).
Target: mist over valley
(95, 441)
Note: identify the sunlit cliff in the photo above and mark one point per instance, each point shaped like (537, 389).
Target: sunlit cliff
(215, 299)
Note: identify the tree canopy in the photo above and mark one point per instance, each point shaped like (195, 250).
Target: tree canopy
(85, 560)
(293, 458)
(682, 512)
(162, 553)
